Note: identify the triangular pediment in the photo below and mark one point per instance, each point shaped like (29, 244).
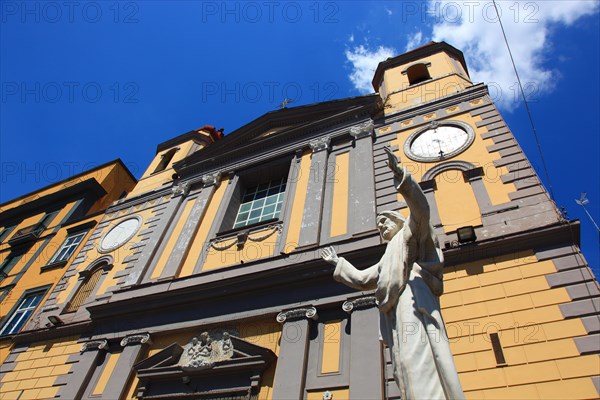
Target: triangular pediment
(278, 128)
(224, 368)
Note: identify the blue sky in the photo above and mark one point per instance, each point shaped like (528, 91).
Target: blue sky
(87, 82)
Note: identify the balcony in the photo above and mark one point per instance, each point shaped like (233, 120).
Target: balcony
(27, 234)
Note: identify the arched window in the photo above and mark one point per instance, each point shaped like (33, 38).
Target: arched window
(165, 160)
(417, 73)
(88, 286)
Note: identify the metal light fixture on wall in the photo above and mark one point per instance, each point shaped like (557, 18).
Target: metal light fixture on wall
(466, 234)
(54, 320)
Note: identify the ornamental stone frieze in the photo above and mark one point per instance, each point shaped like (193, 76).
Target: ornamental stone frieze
(204, 351)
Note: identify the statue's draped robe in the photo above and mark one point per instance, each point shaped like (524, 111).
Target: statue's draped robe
(408, 283)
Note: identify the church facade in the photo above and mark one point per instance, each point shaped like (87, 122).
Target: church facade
(204, 279)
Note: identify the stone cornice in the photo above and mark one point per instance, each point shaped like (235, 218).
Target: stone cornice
(471, 93)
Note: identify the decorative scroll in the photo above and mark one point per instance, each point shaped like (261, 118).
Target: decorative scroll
(101, 344)
(296, 314)
(360, 303)
(203, 351)
(362, 130)
(135, 339)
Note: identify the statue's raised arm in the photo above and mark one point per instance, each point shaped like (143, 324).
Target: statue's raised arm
(409, 189)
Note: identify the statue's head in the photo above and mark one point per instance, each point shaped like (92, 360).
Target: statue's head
(389, 223)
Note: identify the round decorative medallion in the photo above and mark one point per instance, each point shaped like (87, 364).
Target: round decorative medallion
(439, 141)
(119, 234)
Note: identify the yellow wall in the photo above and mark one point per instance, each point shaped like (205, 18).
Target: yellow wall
(172, 240)
(302, 178)
(254, 249)
(332, 339)
(338, 394)
(110, 176)
(37, 369)
(456, 202)
(448, 77)
(200, 239)
(339, 212)
(510, 295)
(152, 180)
(451, 183)
(118, 255)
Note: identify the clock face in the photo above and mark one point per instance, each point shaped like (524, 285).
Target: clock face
(119, 234)
(438, 142)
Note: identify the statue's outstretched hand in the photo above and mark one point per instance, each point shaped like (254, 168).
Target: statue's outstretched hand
(394, 164)
(328, 254)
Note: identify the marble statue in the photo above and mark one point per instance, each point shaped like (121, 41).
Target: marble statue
(407, 283)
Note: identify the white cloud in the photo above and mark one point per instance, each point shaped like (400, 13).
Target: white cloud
(414, 40)
(474, 30)
(364, 62)
(388, 11)
(351, 38)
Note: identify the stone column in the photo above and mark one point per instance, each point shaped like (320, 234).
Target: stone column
(366, 373)
(83, 369)
(210, 183)
(290, 372)
(362, 181)
(429, 188)
(475, 178)
(313, 206)
(133, 346)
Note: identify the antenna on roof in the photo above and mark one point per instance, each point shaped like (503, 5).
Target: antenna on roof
(285, 102)
(583, 201)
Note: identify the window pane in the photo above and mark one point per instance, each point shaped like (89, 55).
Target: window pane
(269, 209)
(258, 204)
(21, 314)
(261, 203)
(255, 213)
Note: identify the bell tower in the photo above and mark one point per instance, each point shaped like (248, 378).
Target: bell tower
(160, 170)
(427, 73)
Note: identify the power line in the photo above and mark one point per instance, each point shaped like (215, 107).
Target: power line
(526, 104)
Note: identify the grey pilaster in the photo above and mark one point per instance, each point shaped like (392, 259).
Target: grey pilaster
(475, 178)
(429, 188)
(190, 228)
(362, 180)
(290, 372)
(83, 369)
(313, 206)
(366, 374)
(132, 348)
(142, 268)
